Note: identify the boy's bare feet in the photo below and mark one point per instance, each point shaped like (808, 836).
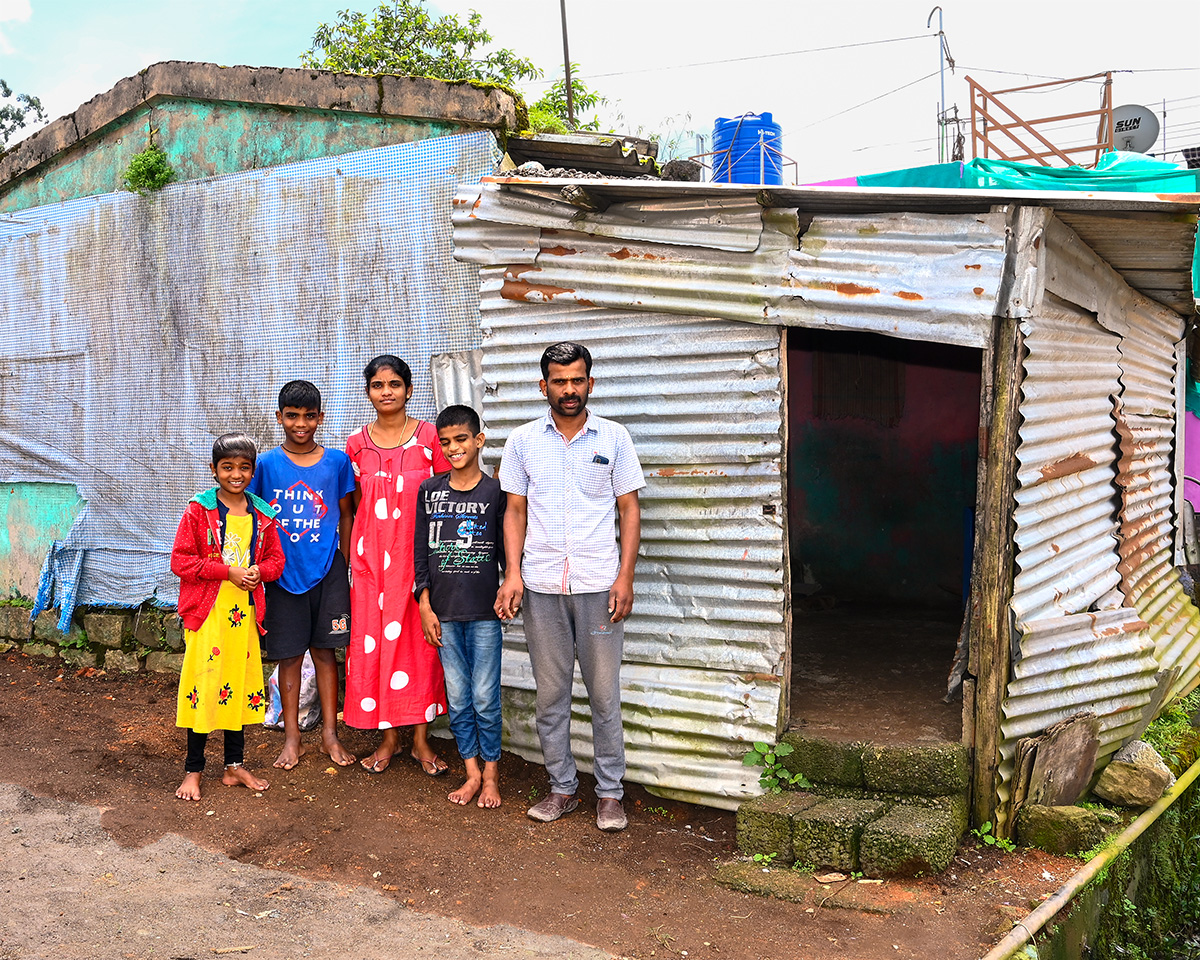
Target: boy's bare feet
(332, 746)
(239, 774)
(291, 753)
(466, 793)
(489, 797)
(190, 788)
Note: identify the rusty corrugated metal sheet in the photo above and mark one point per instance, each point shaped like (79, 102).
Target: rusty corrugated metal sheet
(1102, 662)
(1163, 222)
(933, 277)
(1071, 657)
(1146, 424)
(1066, 494)
(916, 276)
(718, 223)
(705, 646)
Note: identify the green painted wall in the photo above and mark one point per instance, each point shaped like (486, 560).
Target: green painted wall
(204, 138)
(32, 516)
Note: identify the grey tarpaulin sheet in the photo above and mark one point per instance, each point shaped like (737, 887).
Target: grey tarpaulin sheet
(135, 330)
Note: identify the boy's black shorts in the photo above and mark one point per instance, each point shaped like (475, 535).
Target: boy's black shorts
(318, 618)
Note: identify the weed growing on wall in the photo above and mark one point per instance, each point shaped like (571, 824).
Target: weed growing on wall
(149, 171)
(775, 777)
(1174, 734)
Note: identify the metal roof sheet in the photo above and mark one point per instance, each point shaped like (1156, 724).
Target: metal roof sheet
(1167, 220)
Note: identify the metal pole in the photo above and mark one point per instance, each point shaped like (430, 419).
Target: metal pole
(942, 73)
(1164, 130)
(562, 9)
(762, 159)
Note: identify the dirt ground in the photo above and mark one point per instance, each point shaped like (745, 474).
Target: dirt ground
(862, 672)
(361, 854)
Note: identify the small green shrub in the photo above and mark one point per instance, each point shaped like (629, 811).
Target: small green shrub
(775, 777)
(984, 835)
(544, 121)
(149, 171)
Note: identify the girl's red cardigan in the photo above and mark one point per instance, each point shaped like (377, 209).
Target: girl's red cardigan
(196, 556)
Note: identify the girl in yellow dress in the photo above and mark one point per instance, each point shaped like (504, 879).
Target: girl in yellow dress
(227, 545)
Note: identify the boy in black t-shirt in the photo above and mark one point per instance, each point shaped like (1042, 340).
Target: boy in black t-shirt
(458, 551)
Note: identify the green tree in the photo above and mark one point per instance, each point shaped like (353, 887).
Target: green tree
(402, 38)
(15, 109)
(553, 105)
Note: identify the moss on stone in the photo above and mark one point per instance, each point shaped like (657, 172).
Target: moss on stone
(827, 834)
(908, 841)
(764, 824)
(956, 804)
(929, 770)
(1060, 830)
(753, 878)
(824, 761)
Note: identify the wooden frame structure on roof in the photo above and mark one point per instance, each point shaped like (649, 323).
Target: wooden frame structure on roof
(992, 119)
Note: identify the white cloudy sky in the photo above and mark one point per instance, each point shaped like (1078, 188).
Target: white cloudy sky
(671, 64)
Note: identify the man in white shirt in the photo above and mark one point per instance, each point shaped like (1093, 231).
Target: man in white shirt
(572, 480)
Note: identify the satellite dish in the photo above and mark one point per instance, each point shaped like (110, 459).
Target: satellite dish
(1135, 128)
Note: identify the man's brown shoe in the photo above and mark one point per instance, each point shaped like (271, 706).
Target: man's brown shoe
(610, 815)
(554, 806)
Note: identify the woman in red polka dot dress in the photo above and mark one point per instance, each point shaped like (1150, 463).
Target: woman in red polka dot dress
(393, 677)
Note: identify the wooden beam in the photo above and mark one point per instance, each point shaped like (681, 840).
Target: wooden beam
(990, 638)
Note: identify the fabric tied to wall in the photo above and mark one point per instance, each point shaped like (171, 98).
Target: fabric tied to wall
(136, 330)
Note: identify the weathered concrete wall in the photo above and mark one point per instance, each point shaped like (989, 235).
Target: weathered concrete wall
(212, 120)
(32, 516)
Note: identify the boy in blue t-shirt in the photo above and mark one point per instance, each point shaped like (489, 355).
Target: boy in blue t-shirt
(458, 550)
(308, 607)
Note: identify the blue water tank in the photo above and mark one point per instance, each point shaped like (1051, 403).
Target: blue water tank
(747, 149)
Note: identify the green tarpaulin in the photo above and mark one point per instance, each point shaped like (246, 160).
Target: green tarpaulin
(1116, 172)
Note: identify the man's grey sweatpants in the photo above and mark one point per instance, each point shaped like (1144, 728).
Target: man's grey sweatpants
(558, 629)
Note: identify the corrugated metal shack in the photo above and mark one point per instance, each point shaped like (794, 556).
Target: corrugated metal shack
(1077, 305)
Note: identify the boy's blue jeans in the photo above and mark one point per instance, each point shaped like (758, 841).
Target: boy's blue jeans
(470, 654)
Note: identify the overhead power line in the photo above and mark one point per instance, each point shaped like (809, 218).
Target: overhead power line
(758, 56)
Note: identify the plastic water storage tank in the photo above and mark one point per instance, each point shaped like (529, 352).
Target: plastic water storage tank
(741, 155)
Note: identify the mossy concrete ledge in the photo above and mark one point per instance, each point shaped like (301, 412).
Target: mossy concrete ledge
(908, 841)
(824, 761)
(827, 834)
(764, 824)
(929, 769)
(955, 804)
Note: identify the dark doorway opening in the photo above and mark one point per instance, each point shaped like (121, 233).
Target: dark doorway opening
(882, 473)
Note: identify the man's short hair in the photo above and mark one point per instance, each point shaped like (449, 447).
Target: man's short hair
(300, 394)
(459, 415)
(230, 446)
(565, 353)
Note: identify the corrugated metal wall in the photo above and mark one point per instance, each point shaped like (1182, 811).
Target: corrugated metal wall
(1146, 424)
(706, 643)
(1072, 654)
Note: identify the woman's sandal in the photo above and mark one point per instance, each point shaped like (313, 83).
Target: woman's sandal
(438, 764)
(374, 767)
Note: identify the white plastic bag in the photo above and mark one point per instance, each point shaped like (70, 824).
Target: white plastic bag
(310, 700)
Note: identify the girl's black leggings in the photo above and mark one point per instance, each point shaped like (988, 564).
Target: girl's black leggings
(235, 749)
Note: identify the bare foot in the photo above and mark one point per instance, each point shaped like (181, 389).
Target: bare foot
(466, 793)
(235, 775)
(331, 745)
(489, 798)
(190, 788)
(290, 755)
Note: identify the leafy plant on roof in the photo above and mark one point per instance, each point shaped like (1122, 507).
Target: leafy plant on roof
(401, 37)
(149, 171)
(553, 105)
(15, 110)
